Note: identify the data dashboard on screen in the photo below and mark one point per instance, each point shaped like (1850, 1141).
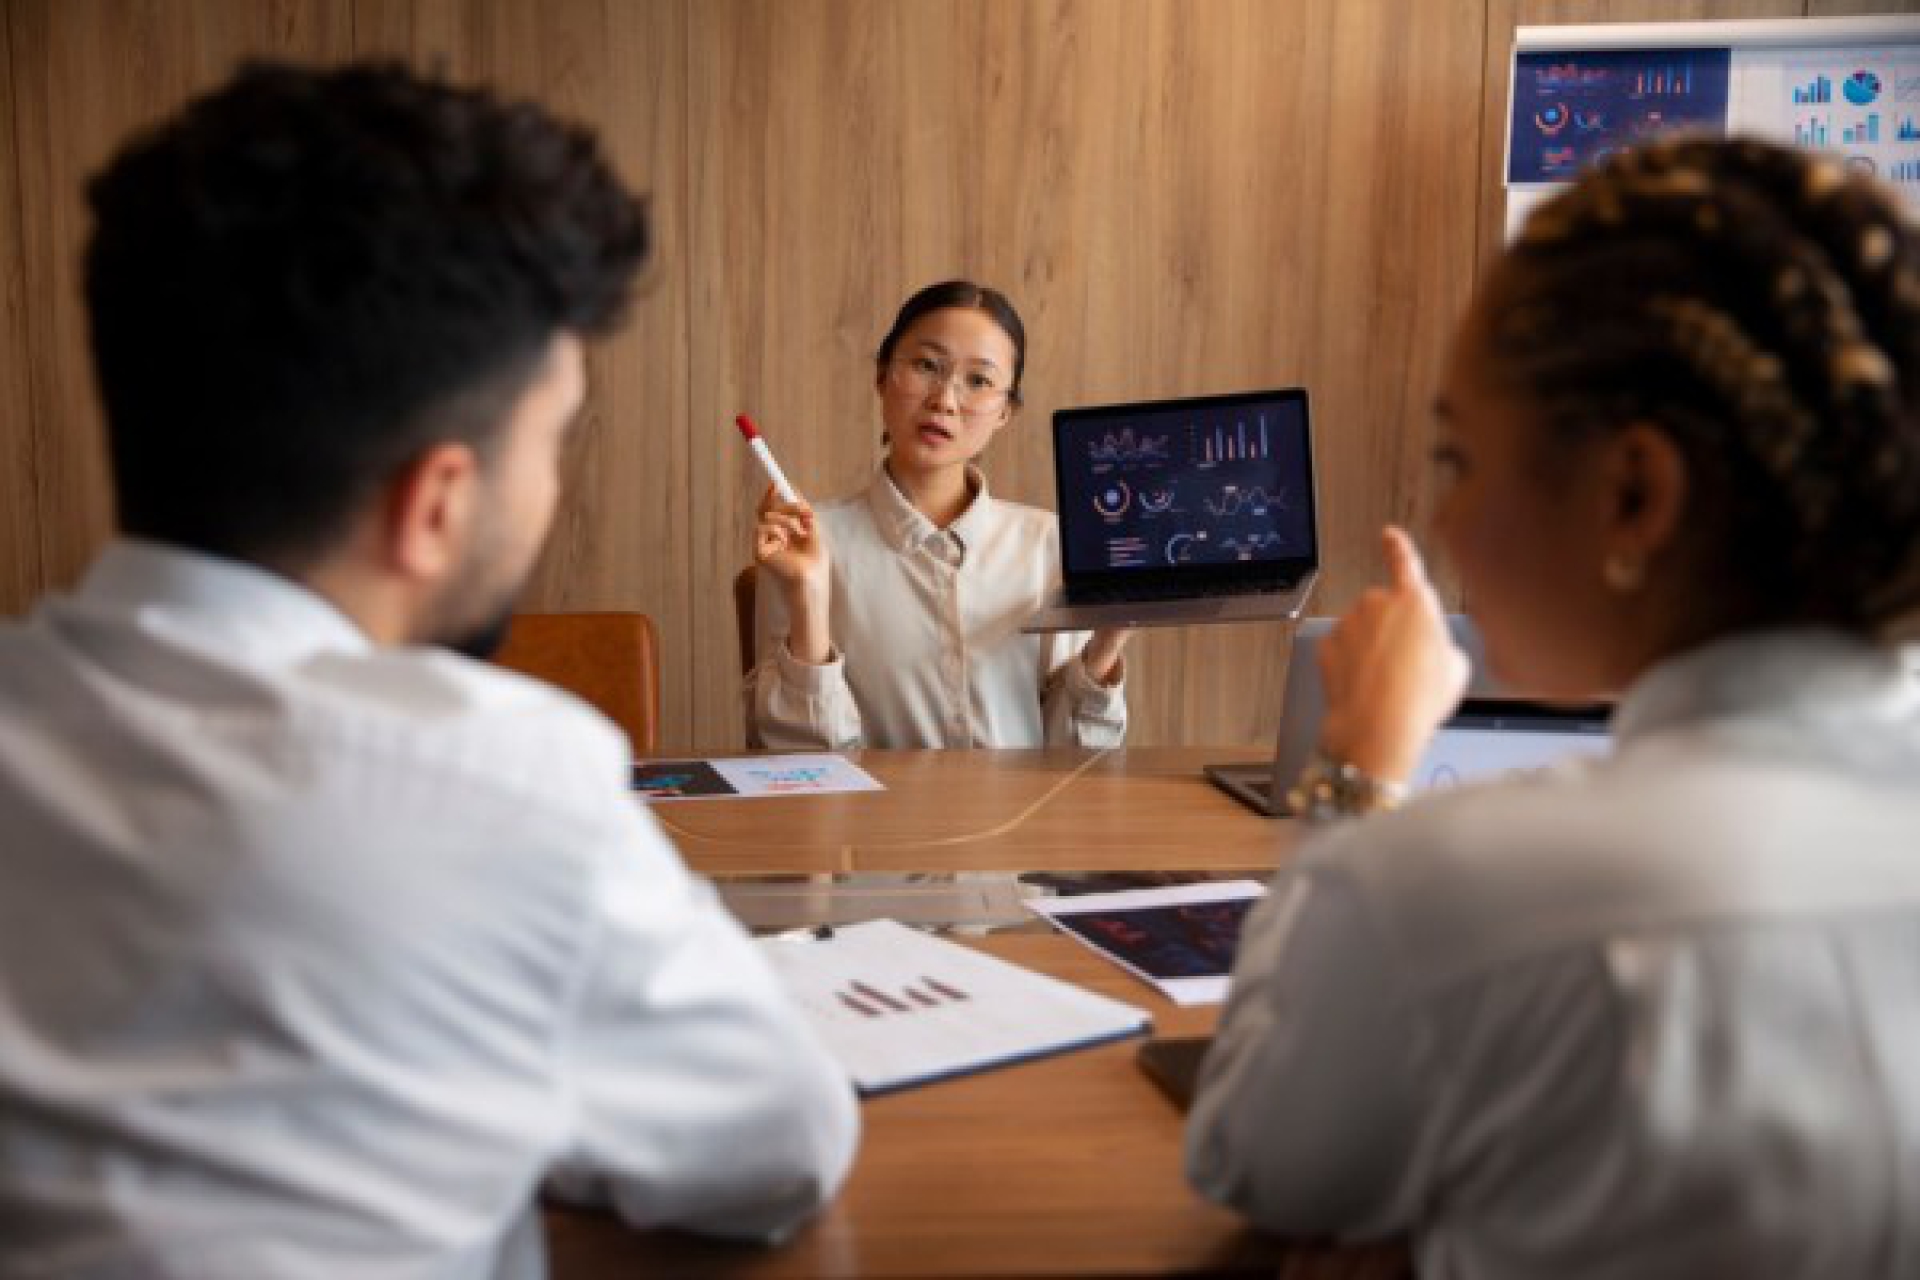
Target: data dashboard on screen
(1847, 85)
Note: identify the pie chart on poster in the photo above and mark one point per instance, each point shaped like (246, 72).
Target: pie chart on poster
(1861, 88)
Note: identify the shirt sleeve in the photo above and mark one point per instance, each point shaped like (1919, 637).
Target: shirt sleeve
(700, 1098)
(794, 705)
(1307, 1116)
(1078, 710)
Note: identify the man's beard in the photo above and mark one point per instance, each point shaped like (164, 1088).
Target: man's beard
(459, 625)
(483, 640)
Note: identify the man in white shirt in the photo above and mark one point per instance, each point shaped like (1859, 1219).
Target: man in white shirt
(321, 947)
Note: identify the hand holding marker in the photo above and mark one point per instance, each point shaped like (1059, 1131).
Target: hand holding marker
(767, 464)
(786, 543)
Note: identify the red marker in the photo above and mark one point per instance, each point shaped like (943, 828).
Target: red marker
(760, 451)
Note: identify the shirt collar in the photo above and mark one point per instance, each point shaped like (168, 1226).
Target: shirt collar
(906, 528)
(1802, 674)
(241, 607)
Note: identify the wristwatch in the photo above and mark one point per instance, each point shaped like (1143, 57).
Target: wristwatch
(1329, 788)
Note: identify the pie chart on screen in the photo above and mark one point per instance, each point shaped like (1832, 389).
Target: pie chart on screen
(1861, 88)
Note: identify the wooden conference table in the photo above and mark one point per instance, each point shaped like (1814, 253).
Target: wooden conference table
(1070, 1166)
(1053, 809)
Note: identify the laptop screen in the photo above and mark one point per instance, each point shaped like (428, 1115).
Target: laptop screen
(1217, 485)
(1493, 737)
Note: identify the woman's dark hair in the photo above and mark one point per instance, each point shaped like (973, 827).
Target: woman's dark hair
(308, 276)
(1761, 305)
(967, 296)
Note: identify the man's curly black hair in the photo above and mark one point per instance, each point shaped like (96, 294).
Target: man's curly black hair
(309, 275)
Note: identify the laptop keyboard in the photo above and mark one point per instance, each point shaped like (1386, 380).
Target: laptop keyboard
(1150, 591)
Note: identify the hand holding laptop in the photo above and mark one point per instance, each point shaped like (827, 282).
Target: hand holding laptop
(1101, 656)
(1391, 670)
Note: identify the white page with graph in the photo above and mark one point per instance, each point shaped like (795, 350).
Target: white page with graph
(897, 1007)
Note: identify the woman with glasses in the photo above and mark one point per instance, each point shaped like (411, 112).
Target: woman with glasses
(1655, 1014)
(892, 618)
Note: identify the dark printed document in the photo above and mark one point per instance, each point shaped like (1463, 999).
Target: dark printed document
(1181, 939)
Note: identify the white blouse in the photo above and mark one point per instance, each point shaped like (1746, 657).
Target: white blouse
(926, 630)
(1654, 1015)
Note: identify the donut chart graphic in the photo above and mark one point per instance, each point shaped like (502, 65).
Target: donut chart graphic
(1551, 119)
(1113, 499)
(1156, 500)
(1862, 88)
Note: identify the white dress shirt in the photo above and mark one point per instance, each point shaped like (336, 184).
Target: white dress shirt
(1652, 1016)
(926, 631)
(315, 958)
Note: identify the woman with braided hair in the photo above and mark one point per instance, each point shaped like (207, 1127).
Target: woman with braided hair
(1656, 1014)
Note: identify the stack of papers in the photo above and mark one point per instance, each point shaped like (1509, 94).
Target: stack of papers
(1182, 940)
(897, 1007)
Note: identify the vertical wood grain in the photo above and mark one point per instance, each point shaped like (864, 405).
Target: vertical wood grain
(1859, 8)
(85, 75)
(20, 572)
(621, 535)
(1180, 198)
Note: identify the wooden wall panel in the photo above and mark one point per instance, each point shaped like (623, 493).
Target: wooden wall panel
(20, 572)
(86, 74)
(1857, 8)
(620, 539)
(1180, 198)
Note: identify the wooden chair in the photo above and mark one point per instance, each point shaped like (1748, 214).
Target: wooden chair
(744, 583)
(612, 660)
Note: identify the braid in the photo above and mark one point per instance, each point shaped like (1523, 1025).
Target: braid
(1761, 305)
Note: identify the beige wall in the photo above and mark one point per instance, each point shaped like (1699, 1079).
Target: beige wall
(1182, 196)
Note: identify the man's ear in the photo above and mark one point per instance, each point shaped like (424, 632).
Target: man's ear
(430, 509)
(1648, 487)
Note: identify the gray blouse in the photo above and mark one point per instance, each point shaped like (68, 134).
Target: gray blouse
(1652, 1015)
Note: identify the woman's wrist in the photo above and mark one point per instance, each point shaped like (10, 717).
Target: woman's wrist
(1388, 752)
(1102, 657)
(808, 606)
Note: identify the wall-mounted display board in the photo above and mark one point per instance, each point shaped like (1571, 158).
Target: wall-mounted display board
(1851, 85)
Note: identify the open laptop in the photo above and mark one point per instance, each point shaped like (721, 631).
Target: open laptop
(1490, 734)
(1182, 511)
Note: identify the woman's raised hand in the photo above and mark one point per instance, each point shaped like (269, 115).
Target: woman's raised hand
(1392, 672)
(788, 542)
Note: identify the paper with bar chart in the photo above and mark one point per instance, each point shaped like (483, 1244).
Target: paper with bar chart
(898, 1008)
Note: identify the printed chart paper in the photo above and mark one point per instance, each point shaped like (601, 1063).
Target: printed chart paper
(898, 1007)
(752, 777)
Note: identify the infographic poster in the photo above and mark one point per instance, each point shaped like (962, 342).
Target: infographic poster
(1569, 109)
(1862, 103)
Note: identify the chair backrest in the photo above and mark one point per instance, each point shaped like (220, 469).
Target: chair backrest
(612, 660)
(744, 584)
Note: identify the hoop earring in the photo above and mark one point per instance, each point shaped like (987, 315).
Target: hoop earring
(1623, 573)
